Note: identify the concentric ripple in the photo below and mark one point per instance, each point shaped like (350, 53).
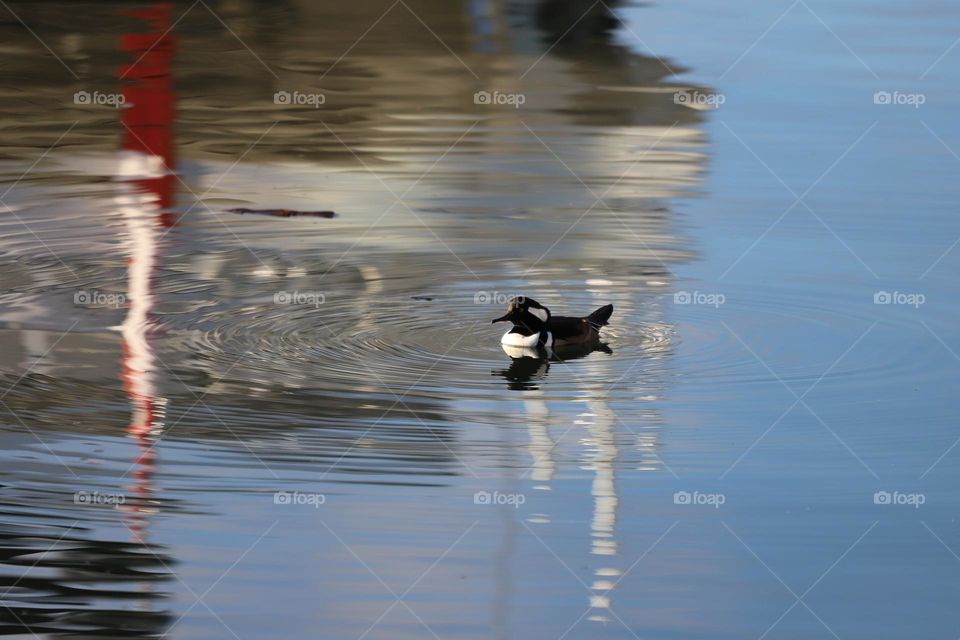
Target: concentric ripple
(390, 343)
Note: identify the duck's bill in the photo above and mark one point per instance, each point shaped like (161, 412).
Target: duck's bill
(502, 318)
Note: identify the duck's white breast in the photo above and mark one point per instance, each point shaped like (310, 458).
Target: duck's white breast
(517, 340)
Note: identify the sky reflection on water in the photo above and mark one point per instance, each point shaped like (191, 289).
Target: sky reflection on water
(224, 424)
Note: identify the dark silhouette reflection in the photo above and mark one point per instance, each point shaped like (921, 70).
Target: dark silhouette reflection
(67, 585)
(525, 371)
(529, 365)
(594, 23)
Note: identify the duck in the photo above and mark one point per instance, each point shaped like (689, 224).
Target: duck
(534, 326)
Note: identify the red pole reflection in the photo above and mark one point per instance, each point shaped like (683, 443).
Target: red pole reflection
(150, 100)
(145, 197)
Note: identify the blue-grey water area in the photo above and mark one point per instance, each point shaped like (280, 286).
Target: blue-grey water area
(224, 417)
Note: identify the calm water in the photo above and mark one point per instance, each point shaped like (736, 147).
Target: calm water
(240, 425)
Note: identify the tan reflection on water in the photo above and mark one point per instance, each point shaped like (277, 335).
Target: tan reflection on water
(598, 120)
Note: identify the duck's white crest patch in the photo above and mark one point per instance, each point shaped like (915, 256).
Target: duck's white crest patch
(540, 313)
(517, 340)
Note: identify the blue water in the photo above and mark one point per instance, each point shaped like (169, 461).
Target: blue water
(309, 424)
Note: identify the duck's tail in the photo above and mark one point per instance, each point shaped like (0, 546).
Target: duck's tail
(599, 317)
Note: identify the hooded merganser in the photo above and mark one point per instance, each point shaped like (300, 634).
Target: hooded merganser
(533, 325)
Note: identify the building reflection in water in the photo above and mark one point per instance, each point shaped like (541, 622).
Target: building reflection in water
(600, 433)
(601, 436)
(600, 101)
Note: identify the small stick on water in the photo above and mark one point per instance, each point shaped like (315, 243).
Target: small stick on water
(285, 213)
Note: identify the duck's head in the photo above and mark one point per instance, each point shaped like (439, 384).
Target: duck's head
(526, 313)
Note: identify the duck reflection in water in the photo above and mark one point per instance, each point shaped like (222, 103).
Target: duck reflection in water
(531, 364)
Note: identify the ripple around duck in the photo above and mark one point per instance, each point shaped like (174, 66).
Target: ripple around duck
(443, 345)
(396, 344)
(385, 339)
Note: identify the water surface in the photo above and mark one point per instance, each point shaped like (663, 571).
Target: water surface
(218, 424)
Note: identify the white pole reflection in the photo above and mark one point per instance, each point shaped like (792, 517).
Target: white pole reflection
(141, 212)
(600, 423)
